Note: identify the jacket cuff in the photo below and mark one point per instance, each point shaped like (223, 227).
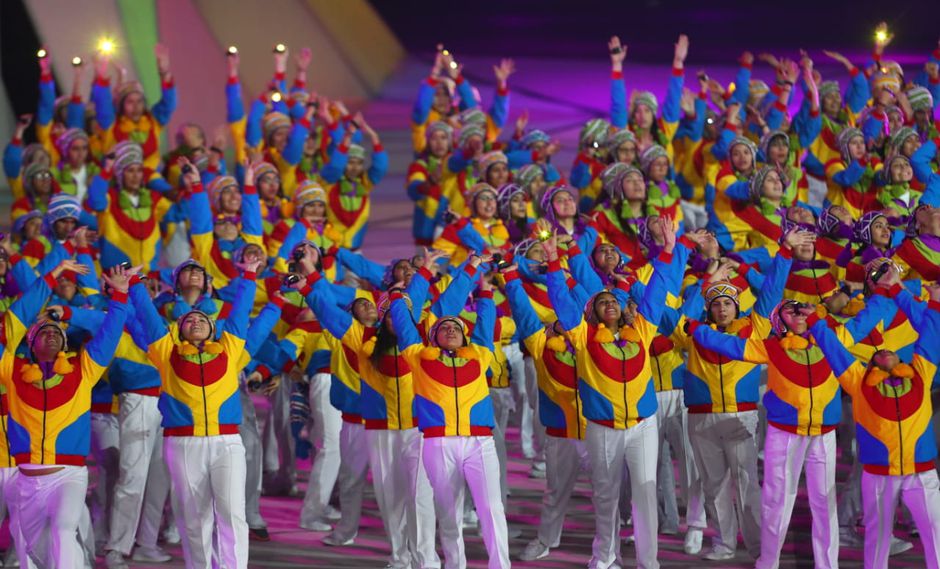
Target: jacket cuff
(197, 188)
(277, 301)
(378, 148)
(250, 275)
(786, 252)
(678, 71)
(616, 74)
(50, 280)
(66, 312)
(119, 296)
(485, 294)
(554, 265)
(470, 269)
(812, 319)
(511, 275)
(250, 189)
(665, 257)
(933, 305)
(688, 243)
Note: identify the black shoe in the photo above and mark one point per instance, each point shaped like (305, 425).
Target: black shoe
(259, 534)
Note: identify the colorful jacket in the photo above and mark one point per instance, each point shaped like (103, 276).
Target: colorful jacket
(452, 397)
(50, 420)
(145, 131)
(200, 390)
(892, 422)
(349, 200)
(614, 377)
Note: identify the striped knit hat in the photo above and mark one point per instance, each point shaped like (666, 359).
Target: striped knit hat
(272, 122)
(646, 98)
(650, 155)
(217, 187)
(126, 154)
(595, 130)
(920, 98)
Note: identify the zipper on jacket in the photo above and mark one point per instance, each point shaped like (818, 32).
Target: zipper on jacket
(6, 435)
(809, 375)
(897, 408)
(577, 399)
(205, 403)
(659, 372)
(453, 366)
(397, 388)
(623, 374)
(721, 384)
(45, 406)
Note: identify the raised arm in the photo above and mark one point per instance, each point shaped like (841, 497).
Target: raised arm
(844, 365)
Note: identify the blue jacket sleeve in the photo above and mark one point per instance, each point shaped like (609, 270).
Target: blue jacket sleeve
(584, 273)
(323, 303)
(379, 167)
(499, 109)
(12, 160)
(104, 105)
(742, 92)
(147, 314)
(654, 299)
(334, 168)
(457, 162)
(86, 319)
(839, 358)
(102, 345)
(98, 193)
(89, 281)
(671, 109)
(921, 159)
(728, 345)
(417, 291)
(723, 143)
(618, 102)
(46, 106)
(465, 91)
(519, 158)
(527, 321)
(471, 238)
(422, 106)
(568, 312)
(75, 114)
(237, 321)
(27, 307)
(163, 110)
(857, 93)
(771, 290)
(234, 107)
(251, 215)
(850, 175)
(485, 327)
(199, 212)
(808, 130)
(261, 326)
(454, 297)
(253, 132)
(739, 191)
(294, 150)
(366, 268)
(404, 327)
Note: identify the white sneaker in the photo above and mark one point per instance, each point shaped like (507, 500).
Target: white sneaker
(171, 535)
(316, 526)
(331, 514)
(151, 555)
(693, 541)
(535, 473)
(848, 537)
(539, 465)
(899, 546)
(534, 550)
(10, 559)
(336, 541)
(115, 560)
(719, 554)
(470, 519)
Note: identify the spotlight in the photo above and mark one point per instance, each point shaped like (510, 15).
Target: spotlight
(232, 50)
(76, 61)
(280, 48)
(41, 54)
(106, 46)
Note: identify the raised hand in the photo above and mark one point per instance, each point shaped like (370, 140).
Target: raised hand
(502, 71)
(669, 232)
(769, 59)
(70, 265)
(521, 122)
(798, 236)
(618, 53)
(190, 172)
(687, 102)
(118, 278)
(680, 52)
(163, 59)
(302, 60)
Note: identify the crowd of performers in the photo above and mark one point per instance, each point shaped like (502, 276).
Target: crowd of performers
(725, 281)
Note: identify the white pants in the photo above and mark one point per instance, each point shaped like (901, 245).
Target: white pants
(280, 469)
(207, 477)
(404, 497)
(817, 190)
(503, 405)
(920, 492)
(354, 445)
(725, 450)
(452, 464)
(609, 450)
(531, 432)
(8, 493)
(696, 217)
(785, 456)
(105, 448)
(251, 438)
(327, 423)
(142, 473)
(50, 509)
(672, 417)
(564, 460)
